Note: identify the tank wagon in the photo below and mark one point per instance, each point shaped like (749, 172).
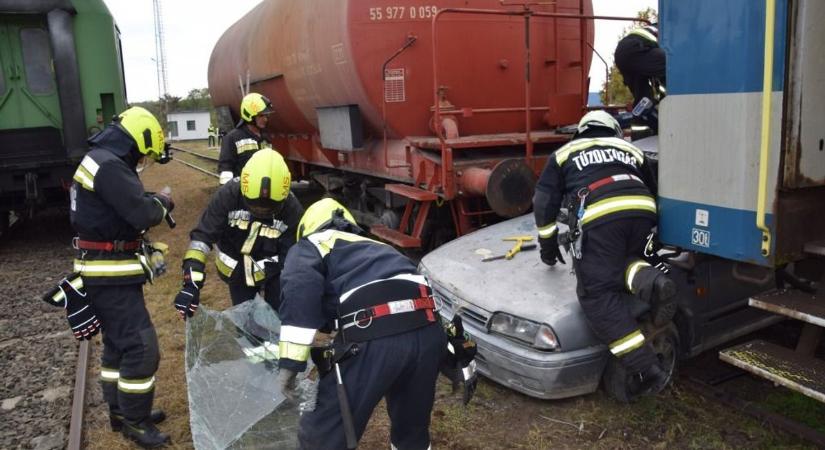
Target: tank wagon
(416, 112)
(61, 77)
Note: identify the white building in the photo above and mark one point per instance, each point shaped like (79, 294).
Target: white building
(188, 125)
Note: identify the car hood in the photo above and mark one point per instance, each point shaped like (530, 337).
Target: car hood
(522, 286)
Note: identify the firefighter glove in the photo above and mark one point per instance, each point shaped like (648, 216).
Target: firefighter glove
(459, 365)
(187, 301)
(71, 296)
(550, 251)
(82, 319)
(288, 384)
(157, 257)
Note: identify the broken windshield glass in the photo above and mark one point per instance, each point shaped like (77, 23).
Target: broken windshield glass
(231, 373)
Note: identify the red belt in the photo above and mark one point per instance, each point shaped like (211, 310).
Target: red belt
(612, 179)
(106, 246)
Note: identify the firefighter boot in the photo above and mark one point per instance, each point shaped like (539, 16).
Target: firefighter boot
(658, 290)
(144, 433)
(116, 418)
(650, 381)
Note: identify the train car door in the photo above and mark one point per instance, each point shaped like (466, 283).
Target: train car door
(30, 119)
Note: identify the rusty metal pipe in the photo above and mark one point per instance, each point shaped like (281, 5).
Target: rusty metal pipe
(474, 181)
(507, 187)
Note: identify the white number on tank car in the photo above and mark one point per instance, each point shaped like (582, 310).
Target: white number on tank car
(402, 12)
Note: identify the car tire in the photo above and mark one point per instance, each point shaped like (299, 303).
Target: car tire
(617, 381)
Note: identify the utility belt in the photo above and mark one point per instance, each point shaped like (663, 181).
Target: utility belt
(136, 260)
(577, 215)
(106, 246)
(384, 308)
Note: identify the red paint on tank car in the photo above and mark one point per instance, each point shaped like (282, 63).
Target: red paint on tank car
(379, 61)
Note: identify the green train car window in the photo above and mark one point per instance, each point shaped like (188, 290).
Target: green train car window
(37, 58)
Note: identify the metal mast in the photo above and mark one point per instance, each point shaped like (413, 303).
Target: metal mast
(160, 49)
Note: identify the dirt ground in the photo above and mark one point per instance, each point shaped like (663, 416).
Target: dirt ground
(497, 418)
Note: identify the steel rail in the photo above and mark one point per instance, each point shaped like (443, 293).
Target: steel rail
(200, 169)
(199, 155)
(79, 398)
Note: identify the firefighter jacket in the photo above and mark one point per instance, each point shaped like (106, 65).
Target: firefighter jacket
(607, 174)
(108, 204)
(237, 147)
(639, 38)
(326, 274)
(249, 249)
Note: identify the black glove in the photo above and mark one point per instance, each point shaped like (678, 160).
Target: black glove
(82, 319)
(550, 251)
(187, 301)
(80, 313)
(458, 365)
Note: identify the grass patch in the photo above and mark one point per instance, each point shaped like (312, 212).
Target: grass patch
(798, 407)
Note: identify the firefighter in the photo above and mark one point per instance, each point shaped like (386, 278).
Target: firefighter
(642, 64)
(213, 136)
(389, 341)
(110, 211)
(610, 197)
(252, 221)
(247, 138)
(640, 61)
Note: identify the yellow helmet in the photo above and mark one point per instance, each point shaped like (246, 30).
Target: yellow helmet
(254, 104)
(145, 130)
(265, 182)
(320, 214)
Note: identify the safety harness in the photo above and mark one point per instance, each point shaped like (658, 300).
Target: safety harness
(384, 308)
(584, 213)
(363, 317)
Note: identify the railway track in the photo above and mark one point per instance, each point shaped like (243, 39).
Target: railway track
(195, 166)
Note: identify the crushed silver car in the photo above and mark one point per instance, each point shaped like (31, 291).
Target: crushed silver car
(532, 334)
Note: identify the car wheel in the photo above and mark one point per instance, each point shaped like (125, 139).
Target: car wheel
(618, 383)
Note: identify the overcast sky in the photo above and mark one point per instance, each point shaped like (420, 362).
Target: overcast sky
(193, 27)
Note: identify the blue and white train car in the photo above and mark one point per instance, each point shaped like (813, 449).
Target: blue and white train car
(742, 163)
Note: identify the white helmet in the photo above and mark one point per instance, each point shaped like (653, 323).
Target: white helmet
(599, 119)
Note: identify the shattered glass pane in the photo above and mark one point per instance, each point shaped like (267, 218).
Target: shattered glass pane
(231, 373)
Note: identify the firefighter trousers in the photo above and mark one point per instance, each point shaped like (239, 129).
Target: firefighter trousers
(638, 64)
(130, 349)
(240, 292)
(607, 249)
(402, 368)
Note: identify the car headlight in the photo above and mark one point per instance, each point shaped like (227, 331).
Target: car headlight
(538, 335)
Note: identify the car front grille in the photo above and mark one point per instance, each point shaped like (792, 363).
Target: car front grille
(468, 312)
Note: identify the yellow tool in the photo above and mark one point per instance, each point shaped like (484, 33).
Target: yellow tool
(520, 245)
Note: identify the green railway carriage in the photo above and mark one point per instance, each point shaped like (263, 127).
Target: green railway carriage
(61, 79)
